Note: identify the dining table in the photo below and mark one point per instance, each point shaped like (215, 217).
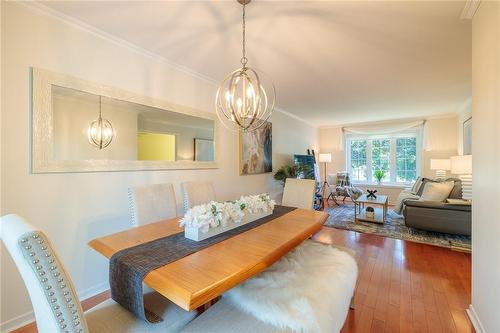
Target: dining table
(198, 278)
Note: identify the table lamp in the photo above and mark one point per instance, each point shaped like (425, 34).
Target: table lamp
(441, 166)
(462, 166)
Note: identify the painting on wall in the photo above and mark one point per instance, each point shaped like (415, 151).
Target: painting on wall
(204, 150)
(467, 137)
(256, 150)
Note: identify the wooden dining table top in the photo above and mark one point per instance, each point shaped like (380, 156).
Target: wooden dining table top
(200, 277)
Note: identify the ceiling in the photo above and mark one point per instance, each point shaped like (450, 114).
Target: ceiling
(332, 62)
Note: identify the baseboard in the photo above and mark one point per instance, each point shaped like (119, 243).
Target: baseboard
(17, 322)
(92, 291)
(475, 320)
(29, 317)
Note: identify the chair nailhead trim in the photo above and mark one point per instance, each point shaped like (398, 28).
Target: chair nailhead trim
(69, 320)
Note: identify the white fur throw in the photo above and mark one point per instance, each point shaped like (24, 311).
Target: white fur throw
(308, 290)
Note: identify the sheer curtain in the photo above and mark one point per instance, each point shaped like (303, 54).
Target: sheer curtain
(386, 128)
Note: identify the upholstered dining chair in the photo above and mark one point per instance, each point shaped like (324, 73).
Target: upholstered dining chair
(197, 193)
(299, 193)
(53, 296)
(151, 203)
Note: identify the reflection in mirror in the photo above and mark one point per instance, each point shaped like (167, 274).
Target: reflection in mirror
(140, 132)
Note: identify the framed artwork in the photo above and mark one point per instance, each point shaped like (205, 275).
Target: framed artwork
(256, 150)
(203, 150)
(467, 136)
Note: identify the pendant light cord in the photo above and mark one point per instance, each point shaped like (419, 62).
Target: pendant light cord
(100, 104)
(244, 59)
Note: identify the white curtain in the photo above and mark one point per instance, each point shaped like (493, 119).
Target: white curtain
(383, 128)
(386, 128)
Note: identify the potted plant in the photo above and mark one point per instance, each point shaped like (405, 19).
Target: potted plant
(379, 175)
(293, 171)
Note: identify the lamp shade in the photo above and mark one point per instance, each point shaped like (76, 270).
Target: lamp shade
(326, 157)
(461, 165)
(440, 164)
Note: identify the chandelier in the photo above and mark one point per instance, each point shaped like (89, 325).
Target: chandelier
(242, 101)
(100, 132)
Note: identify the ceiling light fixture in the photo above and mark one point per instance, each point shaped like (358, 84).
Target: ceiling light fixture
(242, 101)
(100, 132)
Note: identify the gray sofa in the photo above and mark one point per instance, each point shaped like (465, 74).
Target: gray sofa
(439, 216)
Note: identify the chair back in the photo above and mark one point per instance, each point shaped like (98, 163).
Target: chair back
(55, 303)
(343, 179)
(299, 193)
(197, 193)
(152, 203)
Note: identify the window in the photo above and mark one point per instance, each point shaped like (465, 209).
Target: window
(406, 159)
(358, 160)
(396, 155)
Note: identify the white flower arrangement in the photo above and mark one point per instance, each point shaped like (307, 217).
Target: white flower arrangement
(213, 214)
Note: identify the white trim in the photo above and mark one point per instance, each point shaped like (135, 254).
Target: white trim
(93, 291)
(54, 14)
(291, 115)
(17, 322)
(474, 318)
(29, 317)
(383, 185)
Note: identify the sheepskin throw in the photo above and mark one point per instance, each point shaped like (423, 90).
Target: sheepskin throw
(308, 290)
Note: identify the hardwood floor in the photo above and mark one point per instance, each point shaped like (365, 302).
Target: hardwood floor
(405, 286)
(402, 286)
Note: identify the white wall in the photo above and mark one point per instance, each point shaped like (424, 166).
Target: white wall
(75, 208)
(441, 142)
(486, 165)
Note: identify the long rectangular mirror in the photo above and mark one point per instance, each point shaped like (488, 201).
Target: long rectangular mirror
(81, 126)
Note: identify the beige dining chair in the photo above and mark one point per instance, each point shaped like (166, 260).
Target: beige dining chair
(299, 193)
(197, 193)
(151, 203)
(53, 296)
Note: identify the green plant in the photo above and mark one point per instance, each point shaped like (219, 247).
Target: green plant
(379, 175)
(294, 171)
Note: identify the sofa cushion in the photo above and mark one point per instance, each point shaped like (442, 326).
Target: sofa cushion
(437, 191)
(437, 205)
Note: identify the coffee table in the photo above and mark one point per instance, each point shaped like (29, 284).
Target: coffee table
(380, 214)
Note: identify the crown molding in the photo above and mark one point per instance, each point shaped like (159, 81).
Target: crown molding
(78, 24)
(291, 115)
(470, 9)
(69, 20)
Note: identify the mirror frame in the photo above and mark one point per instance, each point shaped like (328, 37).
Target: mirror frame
(43, 129)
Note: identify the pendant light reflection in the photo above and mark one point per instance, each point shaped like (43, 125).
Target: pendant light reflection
(100, 132)
(241, 100)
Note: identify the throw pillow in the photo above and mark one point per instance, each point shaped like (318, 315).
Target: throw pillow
(416, 186)
(437, 191)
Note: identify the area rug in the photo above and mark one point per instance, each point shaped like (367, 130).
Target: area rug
(342, 217)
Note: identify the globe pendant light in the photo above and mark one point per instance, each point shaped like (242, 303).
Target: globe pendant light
(100, 132)
(243, 102)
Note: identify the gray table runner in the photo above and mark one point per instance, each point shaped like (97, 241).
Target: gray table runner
(128, 267)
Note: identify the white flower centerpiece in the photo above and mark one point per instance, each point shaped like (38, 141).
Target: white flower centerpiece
(207, 220)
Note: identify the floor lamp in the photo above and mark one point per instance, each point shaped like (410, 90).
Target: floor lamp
(462, 165)
(325, 159)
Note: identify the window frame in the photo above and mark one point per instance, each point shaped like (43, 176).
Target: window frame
(392, 155)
